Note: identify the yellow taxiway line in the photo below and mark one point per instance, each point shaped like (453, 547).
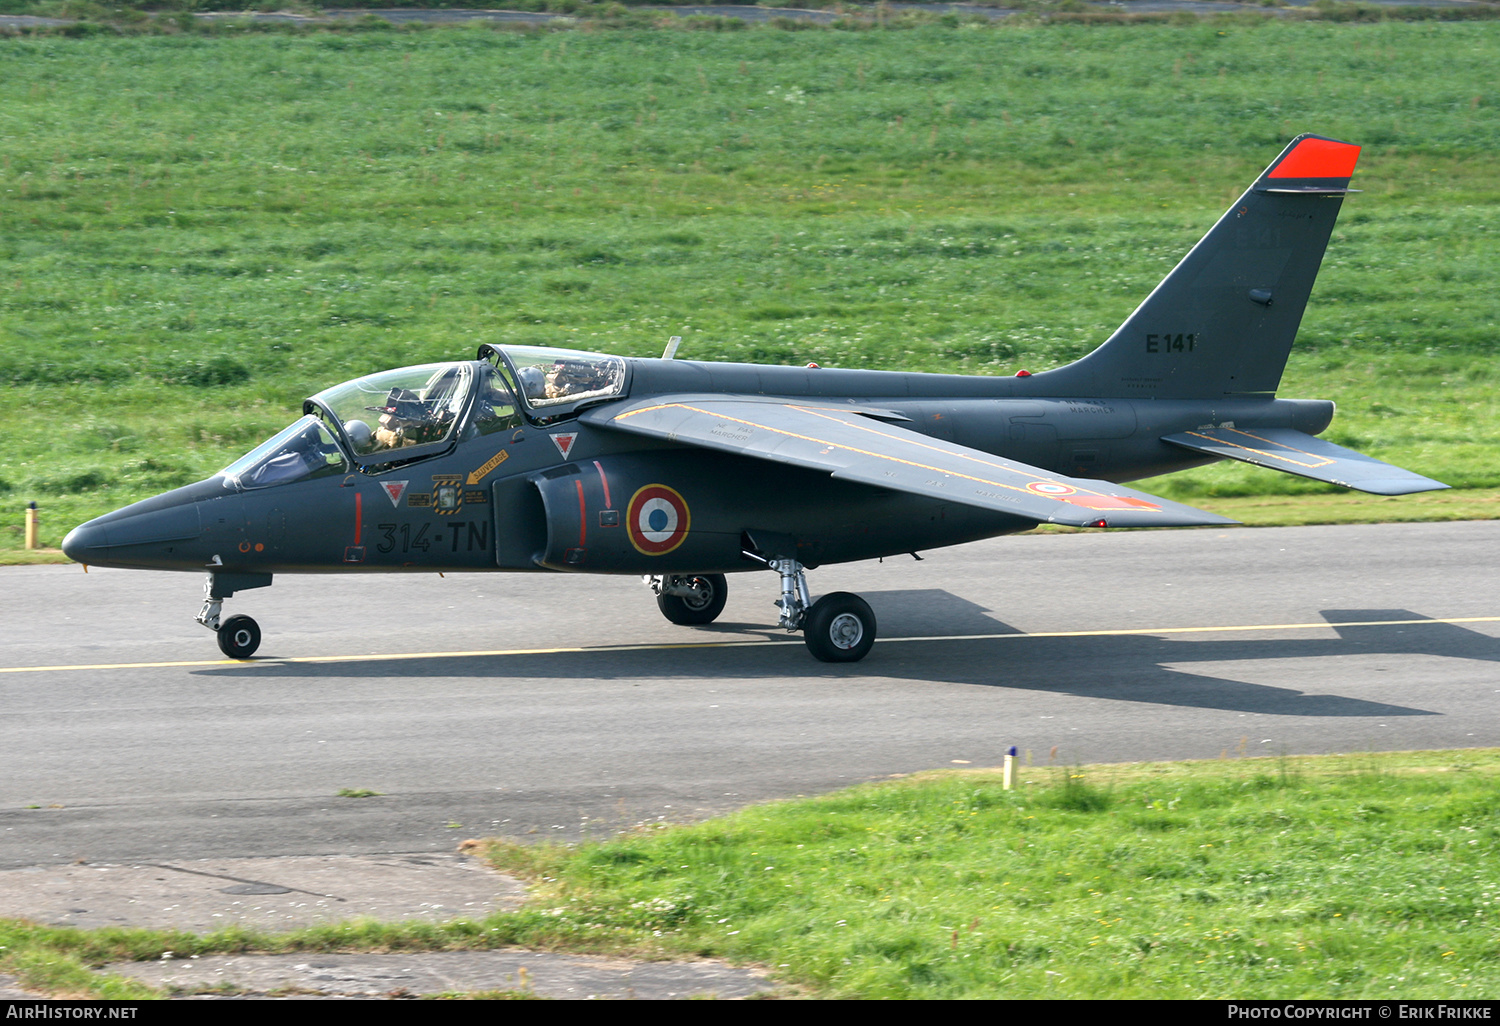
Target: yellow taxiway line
(668, 647)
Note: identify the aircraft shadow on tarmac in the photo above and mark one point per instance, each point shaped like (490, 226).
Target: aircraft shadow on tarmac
(1129, 668)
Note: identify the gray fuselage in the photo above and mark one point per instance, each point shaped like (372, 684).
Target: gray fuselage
(549, 496)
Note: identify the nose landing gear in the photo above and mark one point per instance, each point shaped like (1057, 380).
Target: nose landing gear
(239, 636)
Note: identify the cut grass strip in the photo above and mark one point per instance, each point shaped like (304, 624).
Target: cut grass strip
(1351, 876)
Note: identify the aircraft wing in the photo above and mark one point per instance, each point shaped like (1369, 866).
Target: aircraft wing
(1306, 456)
(853, 447)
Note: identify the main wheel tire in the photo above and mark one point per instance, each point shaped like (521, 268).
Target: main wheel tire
(703, 607)
(239, 637)
(839, 628)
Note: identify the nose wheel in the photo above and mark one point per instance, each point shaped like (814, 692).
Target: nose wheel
(239, 637)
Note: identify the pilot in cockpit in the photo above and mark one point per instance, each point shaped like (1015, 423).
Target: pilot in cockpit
(406, 419)
(533, 383)
(572, 377)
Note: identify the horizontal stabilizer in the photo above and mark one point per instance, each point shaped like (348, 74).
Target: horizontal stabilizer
(838, 440)
(1305, 456)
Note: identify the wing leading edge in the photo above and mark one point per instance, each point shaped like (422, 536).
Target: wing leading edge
(1306, 456)
(850, 446)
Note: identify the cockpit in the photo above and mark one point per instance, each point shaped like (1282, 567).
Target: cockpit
(551, 378)
(413, 408)
(396, 417)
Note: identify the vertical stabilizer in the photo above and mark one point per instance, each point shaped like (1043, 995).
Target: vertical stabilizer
(1222, 323)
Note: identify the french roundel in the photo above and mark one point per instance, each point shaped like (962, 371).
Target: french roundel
(1051, 488)
(657, 520)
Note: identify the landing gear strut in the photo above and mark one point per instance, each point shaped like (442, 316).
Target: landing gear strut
(795, 599)
(239, 636)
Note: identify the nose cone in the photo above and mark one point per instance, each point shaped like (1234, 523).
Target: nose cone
(157, 533)
(86, 544)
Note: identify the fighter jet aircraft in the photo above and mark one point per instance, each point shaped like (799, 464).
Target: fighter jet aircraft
(550, 460)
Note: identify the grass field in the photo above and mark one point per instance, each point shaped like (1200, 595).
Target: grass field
(1369, 877)
(1366, 877)
(197, 232)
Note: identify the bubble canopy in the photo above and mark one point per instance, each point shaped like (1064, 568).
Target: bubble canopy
(399, 414)
(549, 379)
(388, 419)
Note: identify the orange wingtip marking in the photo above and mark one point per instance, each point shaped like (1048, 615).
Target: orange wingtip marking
(1318, 158)
(1108, 502)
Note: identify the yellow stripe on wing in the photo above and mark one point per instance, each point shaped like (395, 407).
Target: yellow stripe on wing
(900, 439)
(1323, 461)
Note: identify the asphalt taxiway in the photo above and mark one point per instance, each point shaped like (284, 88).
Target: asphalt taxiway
(565, 706)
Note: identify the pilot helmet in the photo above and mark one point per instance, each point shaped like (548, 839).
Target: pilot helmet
(533, 383)
(359, 434)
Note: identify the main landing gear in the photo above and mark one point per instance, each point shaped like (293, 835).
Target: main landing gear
(838, 628)
(690, 600)
(239, 636)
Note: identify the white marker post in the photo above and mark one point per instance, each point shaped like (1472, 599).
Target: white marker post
(1010, 767)
(31, 526)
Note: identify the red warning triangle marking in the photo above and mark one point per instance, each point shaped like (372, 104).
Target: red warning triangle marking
(394, 490)
(564, 442)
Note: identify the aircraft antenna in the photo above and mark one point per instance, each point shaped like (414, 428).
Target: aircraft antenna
(670, 353)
